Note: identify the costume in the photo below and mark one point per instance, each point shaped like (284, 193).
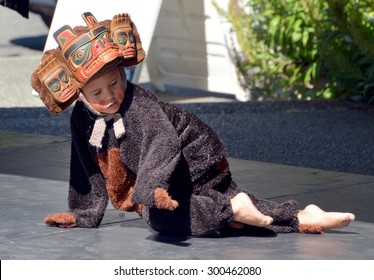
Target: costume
(163, 148)
(150, 157)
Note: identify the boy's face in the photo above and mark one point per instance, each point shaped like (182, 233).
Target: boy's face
(106, 93)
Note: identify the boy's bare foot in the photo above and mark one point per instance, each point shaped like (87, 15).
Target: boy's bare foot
(314, 216)
(245, 212)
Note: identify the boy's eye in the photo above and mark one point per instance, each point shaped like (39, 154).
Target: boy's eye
(113, 83)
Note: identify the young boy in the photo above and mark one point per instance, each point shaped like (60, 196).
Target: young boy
(146, 155)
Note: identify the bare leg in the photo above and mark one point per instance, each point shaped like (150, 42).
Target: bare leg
(314, 216)
(245, 212)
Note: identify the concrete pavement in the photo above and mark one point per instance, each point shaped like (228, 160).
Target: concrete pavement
(34, 182)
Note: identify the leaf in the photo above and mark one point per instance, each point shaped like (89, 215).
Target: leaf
(308, 74)
(296, 36)
(274, 31)
(297, 25)
(305, 37)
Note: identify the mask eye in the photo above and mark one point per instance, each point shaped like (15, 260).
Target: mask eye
(131, 37)
(54, 85)
(122, 40)
(80, 55)
(108, 37)
(64, 77)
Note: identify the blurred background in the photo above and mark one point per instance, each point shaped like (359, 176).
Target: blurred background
(255, 50)
(21, 45)
(304, 49)
(305, 68)
(184, 40)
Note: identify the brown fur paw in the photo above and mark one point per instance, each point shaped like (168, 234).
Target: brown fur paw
(65, 220)
(163, 200)
(139, 209)
(310, 229)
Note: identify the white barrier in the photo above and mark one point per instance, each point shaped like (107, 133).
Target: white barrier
(187, 38)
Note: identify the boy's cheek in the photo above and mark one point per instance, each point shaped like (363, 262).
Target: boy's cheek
(98, 107)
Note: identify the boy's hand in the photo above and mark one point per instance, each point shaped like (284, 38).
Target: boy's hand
(63, 220)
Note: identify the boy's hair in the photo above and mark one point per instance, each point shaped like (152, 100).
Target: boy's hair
(85, 52)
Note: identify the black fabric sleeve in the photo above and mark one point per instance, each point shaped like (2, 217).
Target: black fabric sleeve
(159, 147)
(201, 146)
(88, 197)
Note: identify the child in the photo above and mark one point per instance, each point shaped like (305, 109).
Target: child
(143, 154)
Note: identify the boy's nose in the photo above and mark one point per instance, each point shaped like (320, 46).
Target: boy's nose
(110, 94)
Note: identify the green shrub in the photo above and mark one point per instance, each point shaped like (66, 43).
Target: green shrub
(304, 49)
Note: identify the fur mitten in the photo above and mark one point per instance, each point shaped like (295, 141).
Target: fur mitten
(64, 220)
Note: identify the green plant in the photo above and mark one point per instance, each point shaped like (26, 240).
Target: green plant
(305, 49)
(348, 48)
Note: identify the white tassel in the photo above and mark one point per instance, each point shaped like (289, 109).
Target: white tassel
(98, 132)
(99, 128)
(118, 125)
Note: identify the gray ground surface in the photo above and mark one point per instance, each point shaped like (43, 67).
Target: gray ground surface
(326, 135)
(34, 183)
